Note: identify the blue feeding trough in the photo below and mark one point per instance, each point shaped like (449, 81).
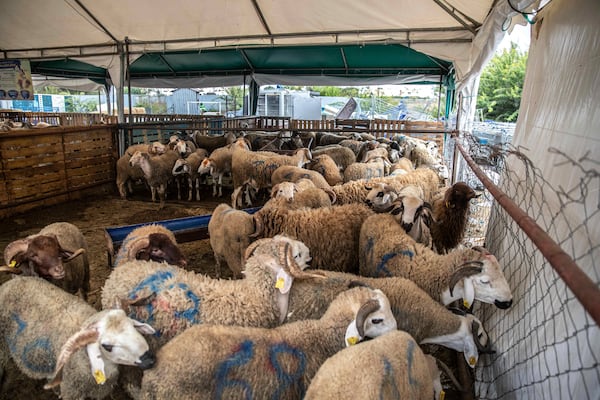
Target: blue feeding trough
(185, 229)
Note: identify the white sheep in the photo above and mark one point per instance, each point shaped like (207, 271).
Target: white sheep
(413, 214)
(330, 232)
(218, 164)
(380, 197)
(42, 328)
(385, 250)
(148, 242)
(245, 195)
(189, 167)
(391, 366)
(415, 311)
(181, 298)
(57, 253)
(279, 363)
(229, 233)
(126, 174)
(157, 171)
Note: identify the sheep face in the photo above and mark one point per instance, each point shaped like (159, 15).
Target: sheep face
(121, 341)
(374, 318)
(205, 166)
(160, 248)
(285, 190)
(381, 197)
(181, 167)
(157, 148)
(41, 255)
(490, 286)
(137, 158)
(459, 195)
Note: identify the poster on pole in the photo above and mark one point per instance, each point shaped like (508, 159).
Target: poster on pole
(15, 80)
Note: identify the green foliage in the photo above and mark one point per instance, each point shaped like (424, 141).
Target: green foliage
(335, 91)
(235, 97)
(75, 104)
(501, 85)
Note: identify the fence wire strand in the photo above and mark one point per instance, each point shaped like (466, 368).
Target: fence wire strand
(548, 346)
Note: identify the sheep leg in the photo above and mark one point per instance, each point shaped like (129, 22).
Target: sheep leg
(197, 189)
(162, 195)
(220, 185)
(178, 182)
(122, 191)
(153, 190)
(215, 181)
(190, 188)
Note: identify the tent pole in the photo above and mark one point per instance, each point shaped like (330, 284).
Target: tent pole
(439, 99)
(128, 77)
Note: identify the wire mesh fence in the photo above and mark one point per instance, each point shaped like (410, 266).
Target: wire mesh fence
(548, 346)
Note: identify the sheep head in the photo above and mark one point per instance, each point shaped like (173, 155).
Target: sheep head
(156, 247)
(40, 255)
(182, 166)
(380, 197)
(285, 190)
(110, 336)
(373, 318)
(458, 195)
(482, 279)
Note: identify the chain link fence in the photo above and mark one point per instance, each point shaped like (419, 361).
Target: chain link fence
(548, 345)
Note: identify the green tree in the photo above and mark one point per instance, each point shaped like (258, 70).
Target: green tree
(501, 85)
(235, 97)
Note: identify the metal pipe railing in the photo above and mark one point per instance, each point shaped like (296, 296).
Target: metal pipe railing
(580, 284)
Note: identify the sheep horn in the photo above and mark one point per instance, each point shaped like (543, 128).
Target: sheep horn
(14, 249)
(331, 195)
(449, 373)
(136, 247)
(294, 269)
(74, 343)
(259, 227)
(138, 301)
(78, 252)
(487, 349)
(363, 312)
(251, 248)
(468, 269)
(354, 284)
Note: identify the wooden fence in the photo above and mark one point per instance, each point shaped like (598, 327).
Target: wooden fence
(53, 165)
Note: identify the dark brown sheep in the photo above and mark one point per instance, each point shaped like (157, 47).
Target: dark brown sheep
(450, 214)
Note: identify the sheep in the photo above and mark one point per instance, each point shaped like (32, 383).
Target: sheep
(342, 156)
(385, 249)
(245, 194)
(42, 328)
(380, 197)
(182, 298)
(402, 166)
(189, 166)
(450, 216)
(359, 170)
(217, 164)
(325, 165)
(413, 214)
(212, 142)
(229, 233)
(415, 311)
(325, 139)
(279, 363)
(157, 171)
(330, 232)
(298, 197)
(356, 191)
(149, 242)
(126, 173)
(399, 374)
(57, 253)
(291, 173)
(435, 372)
(260, 165)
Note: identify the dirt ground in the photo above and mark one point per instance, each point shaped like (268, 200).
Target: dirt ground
(92, 215)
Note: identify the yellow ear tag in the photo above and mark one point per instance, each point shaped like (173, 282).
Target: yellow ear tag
(352, 340)
(466, 304)
(280, 282)
(442, 395)
(99, 376)
(12, 264)
(472, 360)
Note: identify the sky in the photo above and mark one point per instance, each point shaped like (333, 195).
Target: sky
(520, 35)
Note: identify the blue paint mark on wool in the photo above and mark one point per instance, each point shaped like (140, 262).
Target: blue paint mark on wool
(157, 283)
(37, 355)
(381, 269)
(389, 388)
(411, 352)
(288, 380)
(240, 357)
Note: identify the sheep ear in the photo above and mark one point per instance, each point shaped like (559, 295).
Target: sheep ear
(468, 292)
(283, 281)
(142, 327)
(96, 362)
(352, 336)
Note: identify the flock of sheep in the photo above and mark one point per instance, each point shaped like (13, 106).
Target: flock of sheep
(359, 239)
